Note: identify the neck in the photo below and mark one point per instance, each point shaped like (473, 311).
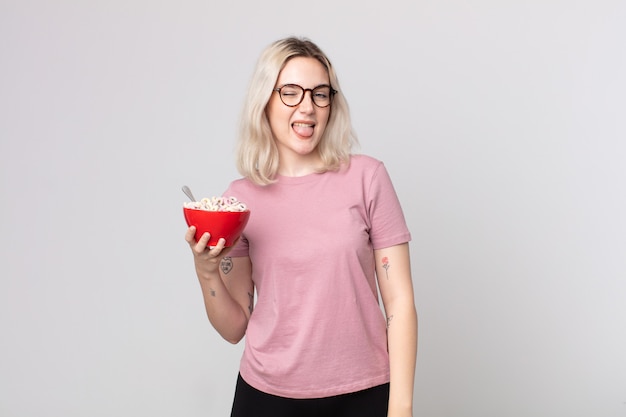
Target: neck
(300, 166)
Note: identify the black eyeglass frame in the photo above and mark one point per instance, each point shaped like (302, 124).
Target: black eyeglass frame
(304, 90)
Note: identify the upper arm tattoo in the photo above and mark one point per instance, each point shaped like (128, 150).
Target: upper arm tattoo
(251, 305)
(386, 265)
(226, 264)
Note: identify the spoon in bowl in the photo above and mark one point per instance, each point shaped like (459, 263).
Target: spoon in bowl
(188, 193)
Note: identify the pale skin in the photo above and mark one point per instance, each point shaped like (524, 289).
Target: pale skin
(226, 296)
(396, 290)
(227, 285)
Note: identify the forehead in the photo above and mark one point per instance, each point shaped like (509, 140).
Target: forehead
(307, 72)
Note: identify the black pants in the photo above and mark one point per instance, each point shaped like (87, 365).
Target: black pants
(250, 402)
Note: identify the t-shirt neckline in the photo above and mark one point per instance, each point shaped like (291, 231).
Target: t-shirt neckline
(283, 179)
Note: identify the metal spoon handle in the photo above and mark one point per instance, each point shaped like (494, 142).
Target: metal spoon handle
(188, 193)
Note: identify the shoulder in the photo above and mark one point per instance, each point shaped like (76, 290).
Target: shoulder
(241, 186)
(364, 161)
(362, 169)
(239, 183)
(372, 173)
(364, 164)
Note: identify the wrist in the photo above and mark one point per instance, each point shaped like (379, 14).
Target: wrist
(208, 274)
(400, 407)
(399, 411)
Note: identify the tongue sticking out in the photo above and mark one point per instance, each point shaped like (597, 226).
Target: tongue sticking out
(303, 130)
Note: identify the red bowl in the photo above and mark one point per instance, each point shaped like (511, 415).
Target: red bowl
(226, 224)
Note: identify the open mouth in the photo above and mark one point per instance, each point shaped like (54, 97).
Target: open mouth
(303, 129)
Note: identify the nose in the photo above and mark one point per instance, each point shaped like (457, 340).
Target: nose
(307, 106)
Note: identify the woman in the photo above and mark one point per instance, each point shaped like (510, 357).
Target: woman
(325, 228)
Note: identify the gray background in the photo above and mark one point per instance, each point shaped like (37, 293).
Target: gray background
(502, 126)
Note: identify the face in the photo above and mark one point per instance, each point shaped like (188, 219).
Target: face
(297, 130)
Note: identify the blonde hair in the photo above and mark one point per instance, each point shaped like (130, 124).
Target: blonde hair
(257, 154)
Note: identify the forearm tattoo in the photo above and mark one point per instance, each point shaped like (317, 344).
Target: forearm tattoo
(212, 291)
(386, 265)
(389, 320)
(226, 264)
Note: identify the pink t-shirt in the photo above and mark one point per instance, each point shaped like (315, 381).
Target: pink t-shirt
(317, 328)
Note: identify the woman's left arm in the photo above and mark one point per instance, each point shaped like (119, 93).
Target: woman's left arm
(393, 270)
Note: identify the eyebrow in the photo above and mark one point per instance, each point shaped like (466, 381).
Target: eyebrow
(312, 88)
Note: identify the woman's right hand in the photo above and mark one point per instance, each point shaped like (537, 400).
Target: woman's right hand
(228, 302)
(206, 259)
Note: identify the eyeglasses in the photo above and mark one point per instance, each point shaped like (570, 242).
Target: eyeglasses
(292, 94)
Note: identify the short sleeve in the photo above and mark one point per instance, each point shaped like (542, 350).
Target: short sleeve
(387, 223)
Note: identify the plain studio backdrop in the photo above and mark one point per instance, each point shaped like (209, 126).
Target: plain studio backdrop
(502, 125)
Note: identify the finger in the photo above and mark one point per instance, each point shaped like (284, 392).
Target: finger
(190, 235)
(217, 248)
(226, 250)
(220, 245)
(203, 242)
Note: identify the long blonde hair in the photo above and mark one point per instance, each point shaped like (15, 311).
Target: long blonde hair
(257, 154)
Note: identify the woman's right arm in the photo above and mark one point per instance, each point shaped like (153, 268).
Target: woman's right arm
(226, 284)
